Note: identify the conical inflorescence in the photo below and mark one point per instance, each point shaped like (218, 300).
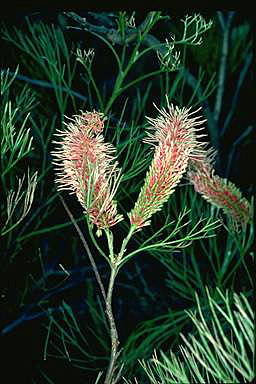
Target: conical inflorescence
(174, 136)
(86, 166)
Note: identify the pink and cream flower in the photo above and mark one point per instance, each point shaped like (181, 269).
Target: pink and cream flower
(86, 166)
(174, 138)
(218, 191)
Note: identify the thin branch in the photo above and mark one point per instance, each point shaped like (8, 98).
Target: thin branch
(223, 63)
(221, 20)
(46, 84)
(94, 266)
(113, 331)
(111, 34)
(248, 61)
(234, 148)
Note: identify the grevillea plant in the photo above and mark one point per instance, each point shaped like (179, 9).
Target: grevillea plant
(87, 166)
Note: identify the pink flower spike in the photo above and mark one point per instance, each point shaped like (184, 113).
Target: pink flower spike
(218, 191)
(174, 138)
(86, 166)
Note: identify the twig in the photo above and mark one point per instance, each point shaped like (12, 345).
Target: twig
(234, 147)
(95, 269)
(46, 84)
(223, 63)
(248, 61)
(111, 34)
(113, 331)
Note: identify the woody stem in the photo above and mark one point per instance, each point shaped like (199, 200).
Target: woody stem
(113, 331)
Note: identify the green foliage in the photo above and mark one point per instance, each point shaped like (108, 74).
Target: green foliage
(16, 144)
(13, 200)
(194, 27)
(47, 47)
(221, 261)
(220, 350)
(65, 340)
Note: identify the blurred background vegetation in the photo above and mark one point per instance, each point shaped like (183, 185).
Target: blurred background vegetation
(120, 63)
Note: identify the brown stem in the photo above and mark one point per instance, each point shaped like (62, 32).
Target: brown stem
(94, 266)
(113, 331)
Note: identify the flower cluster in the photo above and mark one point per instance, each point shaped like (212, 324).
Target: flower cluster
(86, 165)
(175, 140)
(218, 191)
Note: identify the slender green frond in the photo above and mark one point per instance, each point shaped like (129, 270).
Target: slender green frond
(215, 353)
